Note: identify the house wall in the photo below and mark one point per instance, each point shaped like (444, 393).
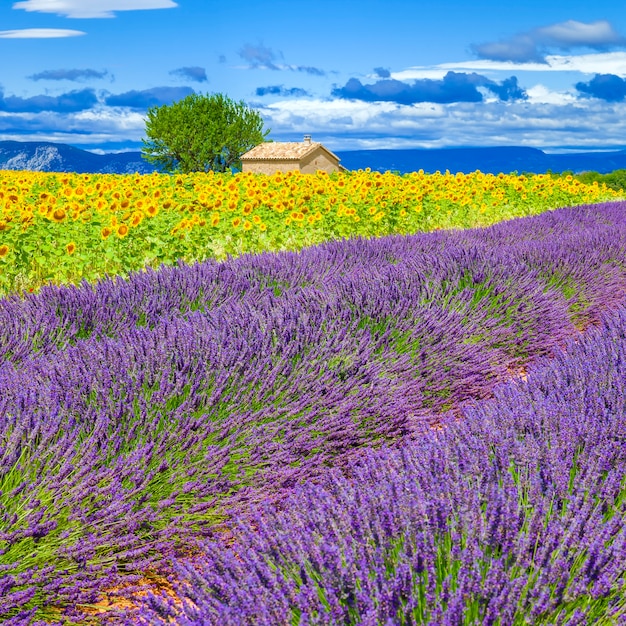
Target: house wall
(318, 160)
(269, 167)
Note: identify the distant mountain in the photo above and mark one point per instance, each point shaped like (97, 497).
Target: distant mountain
(488, 160)
(56, 157)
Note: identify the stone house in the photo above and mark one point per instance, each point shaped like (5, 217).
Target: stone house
(306, 157)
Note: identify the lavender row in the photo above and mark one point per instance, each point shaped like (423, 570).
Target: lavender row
(514, 514)
(136, 414)
(443, 263)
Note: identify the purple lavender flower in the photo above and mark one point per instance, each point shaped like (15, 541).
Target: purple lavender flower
(455, 527)
(137, 416)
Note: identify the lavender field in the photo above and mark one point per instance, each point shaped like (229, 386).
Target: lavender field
(512, 515)
(342, 435)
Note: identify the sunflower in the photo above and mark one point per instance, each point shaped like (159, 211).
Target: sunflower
(122, 230)
(4, 250)
(71, 247)
(59, 215)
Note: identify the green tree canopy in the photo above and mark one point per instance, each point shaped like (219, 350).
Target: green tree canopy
(201, 133)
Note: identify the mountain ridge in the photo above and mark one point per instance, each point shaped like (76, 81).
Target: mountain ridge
(58, 157)
(44, 156)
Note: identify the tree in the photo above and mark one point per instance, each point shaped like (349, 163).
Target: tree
(201, 133)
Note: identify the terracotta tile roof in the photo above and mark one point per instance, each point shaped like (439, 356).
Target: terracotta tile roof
(283, 150)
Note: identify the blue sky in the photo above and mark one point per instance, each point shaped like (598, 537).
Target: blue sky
(356, 74)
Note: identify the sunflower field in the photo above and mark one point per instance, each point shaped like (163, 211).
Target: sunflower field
(63, 228)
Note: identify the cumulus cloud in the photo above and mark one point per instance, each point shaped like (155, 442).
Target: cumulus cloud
(280, 90)
(546, 120)
(390, 90)
(605, 87)
(197, 74)
(40, 33)
(88, 100)
(354, 124)
(68, 102)
(91, 8)
(506, 90)
(157, 96)
(453, 87)
(540, 94)
(73, 75)
(99, 126)
(532, 46)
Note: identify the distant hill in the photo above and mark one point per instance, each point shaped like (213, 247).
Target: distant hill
(488, 160)
(56, 157)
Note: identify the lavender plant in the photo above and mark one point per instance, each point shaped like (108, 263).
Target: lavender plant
(137, 415)
(512, 515)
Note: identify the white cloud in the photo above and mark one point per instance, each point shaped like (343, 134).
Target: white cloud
(101, 125)
(40, 33)
(417, 73)
(91, 8)
(547, 120)
(535, 44)
(439, 71)
(540, 94)
(574, 33)
(102, 151)
(113, 118)
(602, 63)
(593, 63)
(294, 117)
